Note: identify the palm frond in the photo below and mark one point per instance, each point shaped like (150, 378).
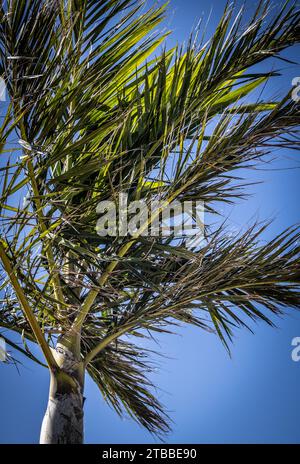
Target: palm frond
(120, 373)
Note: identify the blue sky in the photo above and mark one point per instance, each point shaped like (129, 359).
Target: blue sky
(250, 398)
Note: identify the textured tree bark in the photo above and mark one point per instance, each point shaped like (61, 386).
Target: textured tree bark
(63, 420)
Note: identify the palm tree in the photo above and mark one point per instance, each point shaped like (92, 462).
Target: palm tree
(97, 108)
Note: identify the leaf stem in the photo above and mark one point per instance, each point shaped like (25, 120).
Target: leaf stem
(26, 309)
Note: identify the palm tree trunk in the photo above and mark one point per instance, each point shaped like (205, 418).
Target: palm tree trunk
(63, 420)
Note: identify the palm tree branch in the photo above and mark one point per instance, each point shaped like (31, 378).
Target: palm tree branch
(26, 308)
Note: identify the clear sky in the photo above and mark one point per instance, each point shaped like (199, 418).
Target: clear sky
(253, 397)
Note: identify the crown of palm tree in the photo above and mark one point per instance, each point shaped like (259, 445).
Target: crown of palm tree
(100, 109)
